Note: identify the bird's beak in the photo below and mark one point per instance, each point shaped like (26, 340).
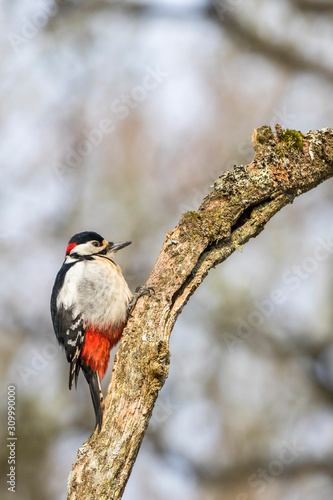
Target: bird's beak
(114, 247)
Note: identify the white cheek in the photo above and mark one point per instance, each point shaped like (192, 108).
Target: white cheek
(85, 249)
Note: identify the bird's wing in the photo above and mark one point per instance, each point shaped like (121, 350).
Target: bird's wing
(71, 334)
(68, 326)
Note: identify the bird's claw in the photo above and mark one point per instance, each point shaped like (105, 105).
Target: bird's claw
(140, 291)
(144, 290)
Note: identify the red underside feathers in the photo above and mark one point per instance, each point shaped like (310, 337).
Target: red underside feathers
(97, 346)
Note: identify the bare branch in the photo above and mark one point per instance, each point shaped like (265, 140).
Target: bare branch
(277, 51)
(227, 16)
(313, 6)
(241, 202)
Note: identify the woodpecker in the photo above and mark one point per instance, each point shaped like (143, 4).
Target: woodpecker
(90, 305)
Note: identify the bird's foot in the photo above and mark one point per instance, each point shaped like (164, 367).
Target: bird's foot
(140, 291)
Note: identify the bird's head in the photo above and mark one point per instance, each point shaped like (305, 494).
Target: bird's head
(91, 243)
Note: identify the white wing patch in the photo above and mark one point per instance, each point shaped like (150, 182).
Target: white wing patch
(68, 296)
(74, 367)
(72, 342)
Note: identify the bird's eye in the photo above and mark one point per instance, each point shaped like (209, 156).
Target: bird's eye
(96, 243)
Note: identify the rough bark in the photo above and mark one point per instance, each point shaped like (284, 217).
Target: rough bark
(241, 202)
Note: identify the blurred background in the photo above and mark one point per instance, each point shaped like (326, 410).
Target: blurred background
(118, 117)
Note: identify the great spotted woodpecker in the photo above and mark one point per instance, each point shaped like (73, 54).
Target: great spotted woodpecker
(90, 305)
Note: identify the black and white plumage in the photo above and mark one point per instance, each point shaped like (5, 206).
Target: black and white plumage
(89, 306)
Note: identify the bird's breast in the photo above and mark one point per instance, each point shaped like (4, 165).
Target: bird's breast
(98, 290)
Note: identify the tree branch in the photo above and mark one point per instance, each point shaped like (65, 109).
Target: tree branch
(241, 202)
(248, 36)
(313, 6)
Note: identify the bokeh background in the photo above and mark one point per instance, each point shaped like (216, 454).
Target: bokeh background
(117, 117)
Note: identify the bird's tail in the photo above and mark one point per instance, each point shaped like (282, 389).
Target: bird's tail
(96, 394)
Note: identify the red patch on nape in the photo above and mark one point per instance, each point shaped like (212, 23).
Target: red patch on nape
(97, 347)
(70, 247)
